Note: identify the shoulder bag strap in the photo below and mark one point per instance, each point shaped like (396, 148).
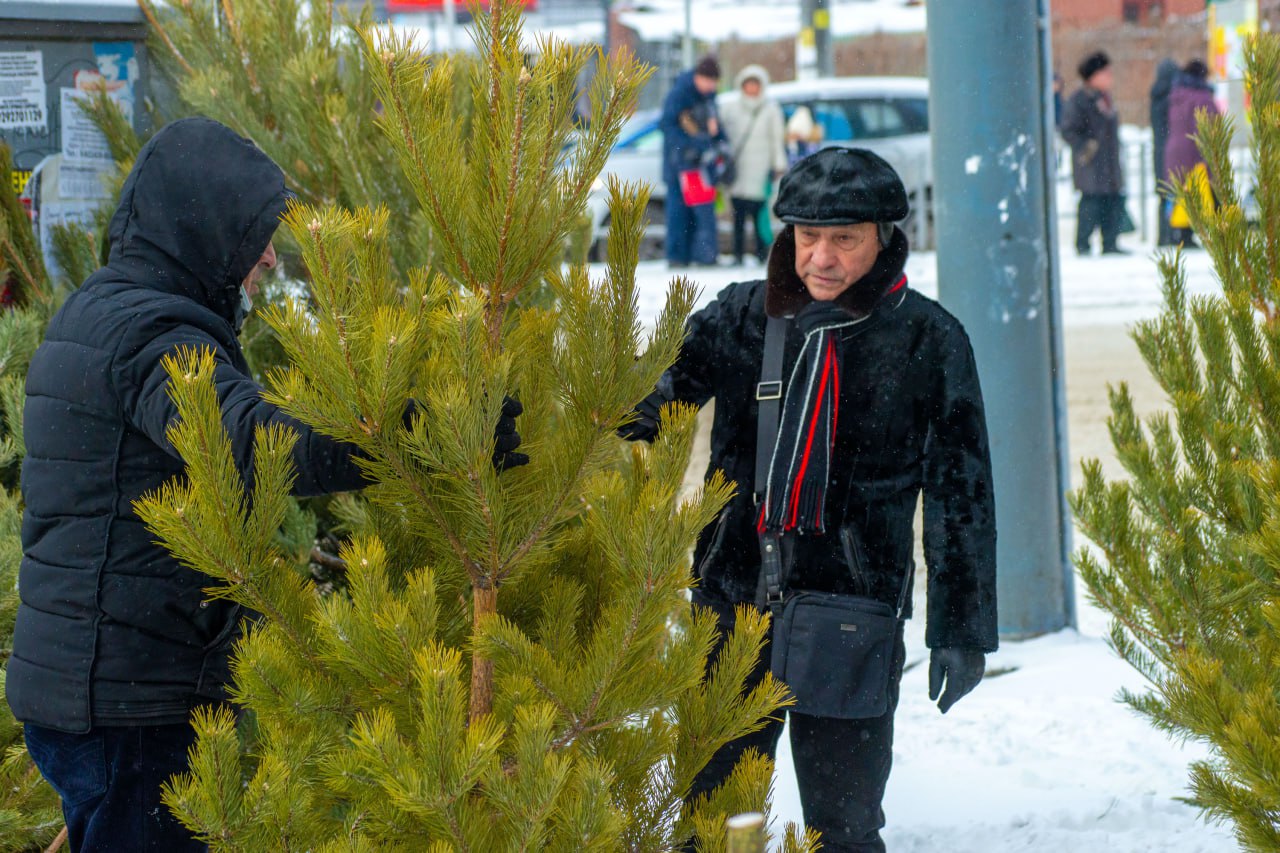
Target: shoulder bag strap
(769, 400)
(769, 407)
(746, 133)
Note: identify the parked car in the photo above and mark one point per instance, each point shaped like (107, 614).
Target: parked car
(888, 115)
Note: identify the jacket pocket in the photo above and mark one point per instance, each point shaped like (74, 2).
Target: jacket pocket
(855, 557)
(717, 541)
(215, 670)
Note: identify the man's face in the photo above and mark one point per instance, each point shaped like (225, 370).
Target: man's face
(751, 87)
(705, 85)
(1102, 80)
(830, 258)
(266, 262)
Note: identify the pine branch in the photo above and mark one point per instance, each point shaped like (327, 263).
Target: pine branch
(149, 12)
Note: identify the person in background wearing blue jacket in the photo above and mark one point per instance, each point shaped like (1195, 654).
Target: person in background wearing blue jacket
(690, 129)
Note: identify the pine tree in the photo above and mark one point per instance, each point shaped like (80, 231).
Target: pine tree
(29, 810)
(292, 76)
(512, 663)
(1188, 545)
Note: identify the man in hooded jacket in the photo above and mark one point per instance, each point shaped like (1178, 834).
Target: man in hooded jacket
(907, 420)
(115, 641)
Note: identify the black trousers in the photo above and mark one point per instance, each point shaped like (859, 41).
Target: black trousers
(1165, 235)
(842, 766)
(1103, 212)
(744, 211)
(109, 780)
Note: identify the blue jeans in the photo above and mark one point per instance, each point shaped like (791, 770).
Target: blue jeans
(109, 780)
(691, 231)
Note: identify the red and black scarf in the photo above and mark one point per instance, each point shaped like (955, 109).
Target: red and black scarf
(800, 468)
(801, 465)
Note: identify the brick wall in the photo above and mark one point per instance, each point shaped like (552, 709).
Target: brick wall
(878, 54)
(1135, 50)
(1091, 12)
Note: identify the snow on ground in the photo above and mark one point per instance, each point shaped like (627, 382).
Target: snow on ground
(713, 21)
(752, 20)
(1041, 758)
(1095, 290)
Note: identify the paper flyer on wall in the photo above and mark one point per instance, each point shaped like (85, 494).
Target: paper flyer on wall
(22, 91)
(82, 142)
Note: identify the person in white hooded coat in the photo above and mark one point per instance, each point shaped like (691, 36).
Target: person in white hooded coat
(756, 131)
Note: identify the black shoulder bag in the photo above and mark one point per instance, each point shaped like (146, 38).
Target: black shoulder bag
(834, 651)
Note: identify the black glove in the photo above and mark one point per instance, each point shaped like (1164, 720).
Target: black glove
(962, 669)
(646, 421)
(506, 439)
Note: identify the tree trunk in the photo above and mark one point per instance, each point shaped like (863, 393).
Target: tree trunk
(745, 833)
(57, 842)
(484, 603)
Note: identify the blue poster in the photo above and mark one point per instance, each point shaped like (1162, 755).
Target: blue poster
(119, 69)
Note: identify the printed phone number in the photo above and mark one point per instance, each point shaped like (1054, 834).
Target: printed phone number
(22, 114)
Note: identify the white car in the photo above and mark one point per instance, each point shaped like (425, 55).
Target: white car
(887, 115)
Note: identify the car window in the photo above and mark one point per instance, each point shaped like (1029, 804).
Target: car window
(640, 133)
(836, 122)
(851, 119)
(914, 112)
(878, 118)
(649, 141)
(831, 116)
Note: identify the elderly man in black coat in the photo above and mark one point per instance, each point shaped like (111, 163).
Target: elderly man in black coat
(115, 642)
(880, 404)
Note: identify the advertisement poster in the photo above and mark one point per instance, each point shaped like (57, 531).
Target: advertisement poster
(22, 91)
(82, 142)
(118, 70)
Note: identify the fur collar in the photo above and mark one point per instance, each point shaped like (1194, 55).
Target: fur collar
(786, 294)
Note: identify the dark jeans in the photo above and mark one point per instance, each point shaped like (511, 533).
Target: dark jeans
(1164, 231)
(691, 231)
(842, 766)
(109, 780)
(744, 211)
(1101, 212)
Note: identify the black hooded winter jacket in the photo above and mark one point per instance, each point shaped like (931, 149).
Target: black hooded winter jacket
(910, 420)
(111, 630)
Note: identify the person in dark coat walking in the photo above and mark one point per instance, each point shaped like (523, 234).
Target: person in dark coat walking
(1191, 94)
(1092, 129)
(1165, 72)
(691, 132)
(906, 419)
(115, 641)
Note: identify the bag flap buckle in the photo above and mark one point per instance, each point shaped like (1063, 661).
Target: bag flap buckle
(768, 390)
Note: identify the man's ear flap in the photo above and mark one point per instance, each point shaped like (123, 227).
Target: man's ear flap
(884, 230)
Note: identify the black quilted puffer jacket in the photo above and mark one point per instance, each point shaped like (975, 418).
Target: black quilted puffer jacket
(111, 630)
